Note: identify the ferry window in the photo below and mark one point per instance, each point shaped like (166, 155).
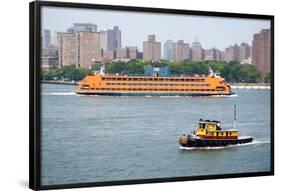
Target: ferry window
(129, 79)
(102, 78)
(97, 88)
(161, 79)
(229, 133)
(140, 79)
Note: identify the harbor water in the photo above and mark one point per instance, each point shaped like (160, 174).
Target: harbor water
(97, 138)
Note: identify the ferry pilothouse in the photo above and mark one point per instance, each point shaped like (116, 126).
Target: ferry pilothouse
(99, 83)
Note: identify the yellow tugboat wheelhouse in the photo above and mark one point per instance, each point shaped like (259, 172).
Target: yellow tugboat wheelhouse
(210, 134)
(116, 85)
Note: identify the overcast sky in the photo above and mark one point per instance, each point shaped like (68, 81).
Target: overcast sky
(210, 31)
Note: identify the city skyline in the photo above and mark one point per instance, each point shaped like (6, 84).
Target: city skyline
(217, 32)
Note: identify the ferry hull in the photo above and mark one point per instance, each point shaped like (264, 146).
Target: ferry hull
(216, 143)
(149, 94)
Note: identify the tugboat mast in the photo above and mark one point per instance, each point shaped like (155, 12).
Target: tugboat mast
(234, 122)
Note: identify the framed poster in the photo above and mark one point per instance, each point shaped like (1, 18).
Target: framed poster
(129, 95)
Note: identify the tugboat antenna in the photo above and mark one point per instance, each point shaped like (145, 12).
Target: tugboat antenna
(234, 122)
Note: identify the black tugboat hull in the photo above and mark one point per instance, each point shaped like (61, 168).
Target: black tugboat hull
(194, 142)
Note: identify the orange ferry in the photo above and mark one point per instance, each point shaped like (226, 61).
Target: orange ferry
(123, 85)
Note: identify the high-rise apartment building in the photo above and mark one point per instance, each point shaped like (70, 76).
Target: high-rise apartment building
(113, 38)
(54, 39)
(80, 27)
(197, 52)
(132, 52)
(212, 54)
(67, 49)
(244, 51)
(151, 49)
(261, 50)
(209, 54)
(88, 49)
(49, 57)
(120, 53)
(168, 50)
(103, 40)
(181, 51)
(107, 56)
(46, 38)
(231, 53)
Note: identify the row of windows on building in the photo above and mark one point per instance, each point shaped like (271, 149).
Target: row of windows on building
(150, 89)
(140, 84)
(154, 79)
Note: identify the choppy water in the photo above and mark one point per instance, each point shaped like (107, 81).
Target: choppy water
(95, 138)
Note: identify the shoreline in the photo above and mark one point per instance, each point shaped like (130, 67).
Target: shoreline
(73, 83)
(233, 86)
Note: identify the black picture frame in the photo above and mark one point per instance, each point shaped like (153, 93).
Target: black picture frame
(35, 89)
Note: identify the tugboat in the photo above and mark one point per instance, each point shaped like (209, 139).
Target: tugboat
(210, 134)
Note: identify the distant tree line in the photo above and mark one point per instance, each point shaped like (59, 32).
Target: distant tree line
(66, 73)
(231, 71)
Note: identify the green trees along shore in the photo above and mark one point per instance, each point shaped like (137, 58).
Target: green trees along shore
(231, 71)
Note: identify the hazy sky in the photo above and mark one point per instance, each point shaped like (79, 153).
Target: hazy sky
(210, 31)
